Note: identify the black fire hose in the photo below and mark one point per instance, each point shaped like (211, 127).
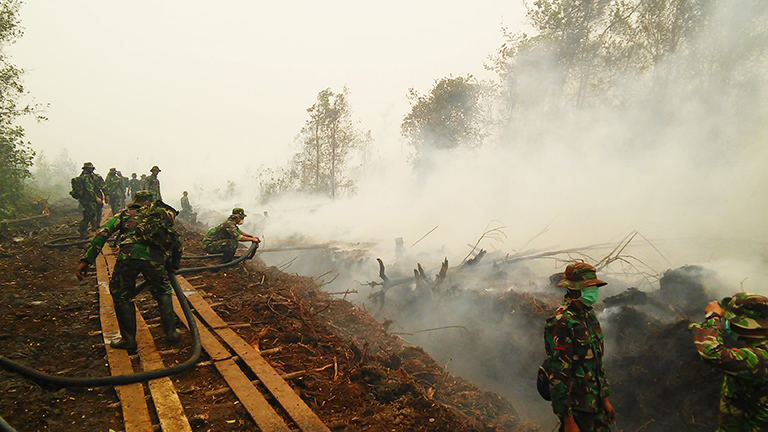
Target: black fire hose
(248, 255)
(120, 379)
(71, 241)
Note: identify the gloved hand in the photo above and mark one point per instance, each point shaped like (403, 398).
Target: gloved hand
(82, 269)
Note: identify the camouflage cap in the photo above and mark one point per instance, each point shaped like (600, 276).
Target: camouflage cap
(88, 165)
(580, 275)
(746, 310)
(237, 211)
(154, 168)
(143, 195)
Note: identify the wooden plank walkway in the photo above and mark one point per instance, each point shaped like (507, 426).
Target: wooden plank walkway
(300, 413)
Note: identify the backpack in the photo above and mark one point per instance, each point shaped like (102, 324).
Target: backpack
(78, 187)
(155, 226)
(542, 380)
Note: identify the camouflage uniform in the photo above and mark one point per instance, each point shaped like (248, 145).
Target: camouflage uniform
(153, 184)
(743, 360)
(135, 254)
(93, 188)
(115, 191)
(134, 185)
(573, 340)
(223, 238)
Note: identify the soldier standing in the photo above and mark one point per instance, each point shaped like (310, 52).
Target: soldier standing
(88, 189)
(734, 340)
(574, 343)
(223, 238)
(153, 184)
(186, 208)
(134, 185)
(115, 191)
(141, 250)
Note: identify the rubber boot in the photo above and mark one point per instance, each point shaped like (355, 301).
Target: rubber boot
(126, 319)
(168, 318)
(228, 255)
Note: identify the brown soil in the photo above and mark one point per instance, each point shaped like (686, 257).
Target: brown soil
(358, 377)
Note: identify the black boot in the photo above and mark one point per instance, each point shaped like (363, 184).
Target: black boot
(228, 255)
(126, 319)
(168, 318)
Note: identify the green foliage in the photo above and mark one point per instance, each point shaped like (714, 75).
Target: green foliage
(52, 178)
(328, 140)
(15, 155)
(445, 118)
(592, 42)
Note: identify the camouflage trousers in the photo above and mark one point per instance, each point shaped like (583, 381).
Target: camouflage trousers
(226, 247)
(116, 203)
(589, 422)
(91, 216)
(730, 423)
(123, 287)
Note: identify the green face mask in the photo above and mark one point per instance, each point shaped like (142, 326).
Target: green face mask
(589, 295)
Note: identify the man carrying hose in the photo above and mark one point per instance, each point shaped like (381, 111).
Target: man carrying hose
(149, 245)
(223, 238)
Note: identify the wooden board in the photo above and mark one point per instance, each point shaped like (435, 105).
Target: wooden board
(135, 410)
(300, 413)
(164, 396)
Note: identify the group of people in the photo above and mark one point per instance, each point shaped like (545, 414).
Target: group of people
(92, 191)
(733, 338)
(149, 245)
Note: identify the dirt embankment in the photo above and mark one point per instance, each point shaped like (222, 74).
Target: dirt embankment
(350, 371)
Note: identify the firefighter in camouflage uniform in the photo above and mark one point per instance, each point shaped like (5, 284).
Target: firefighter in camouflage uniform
(152, 183)
(88, 189)
(115, 189)
(734, 340)
(224, 237)
(148, 245)
(573, 340)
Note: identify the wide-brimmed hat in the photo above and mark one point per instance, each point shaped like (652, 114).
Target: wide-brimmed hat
(237, 211)
(746, 310)
(88, 165)
(580, 275)
(155, 168)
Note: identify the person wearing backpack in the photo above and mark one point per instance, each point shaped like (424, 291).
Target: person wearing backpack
(224, 237)
(149, 245)
(88, 189)
(115, 190)
(573, 341)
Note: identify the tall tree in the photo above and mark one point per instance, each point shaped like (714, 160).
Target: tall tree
(328, 141)
(591, 42)
(448, 117)
(15, 155)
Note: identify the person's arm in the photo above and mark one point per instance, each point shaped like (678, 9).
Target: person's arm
(97, 243)
(247, 237)
(747, 362)
(559, 343)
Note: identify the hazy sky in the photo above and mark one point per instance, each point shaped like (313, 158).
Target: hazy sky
(214, 93)
(221, 85)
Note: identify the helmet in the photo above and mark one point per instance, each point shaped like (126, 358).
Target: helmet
(746, 311)
(580, 275)
(112, 170)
